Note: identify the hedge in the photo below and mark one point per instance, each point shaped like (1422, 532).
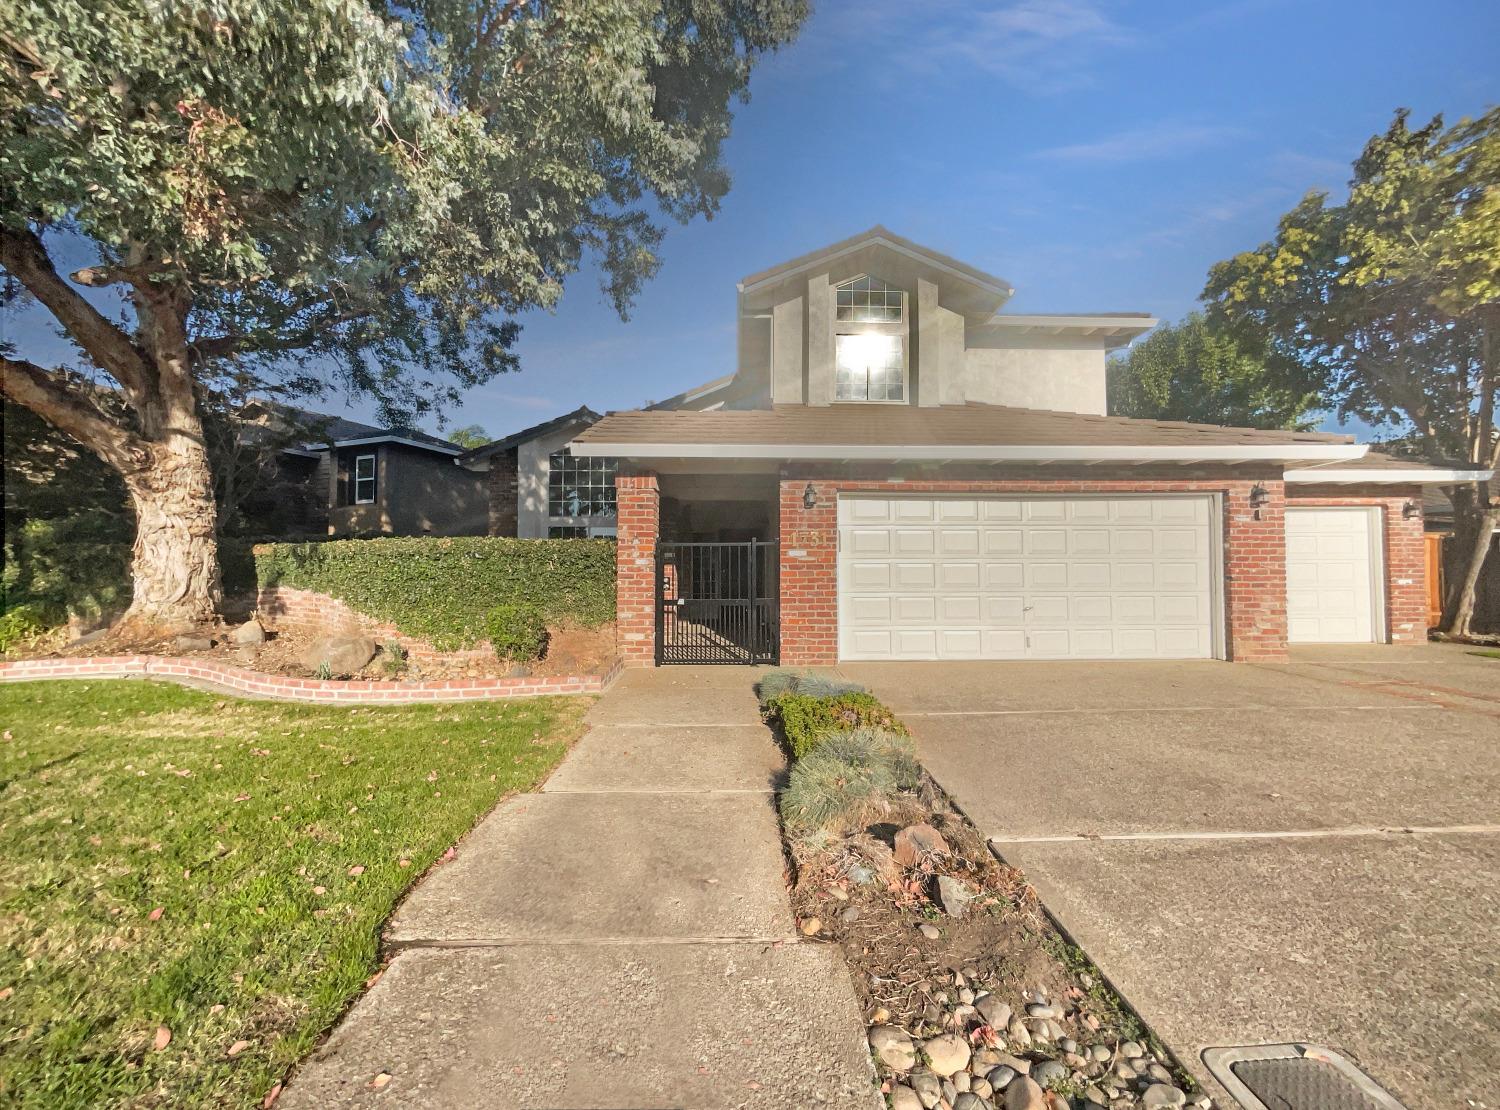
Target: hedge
(442, 589)
(806, 720)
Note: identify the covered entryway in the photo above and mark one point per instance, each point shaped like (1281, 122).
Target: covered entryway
(1332, 556)
(1083, 577)
(716, 603)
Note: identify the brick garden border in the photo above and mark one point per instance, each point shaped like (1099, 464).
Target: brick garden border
(238, 680)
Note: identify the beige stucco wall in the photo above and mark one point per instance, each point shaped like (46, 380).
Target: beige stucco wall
(531, 481)
(1059, 378)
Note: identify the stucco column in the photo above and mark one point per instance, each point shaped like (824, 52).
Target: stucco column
(809, 587)
(638, 526)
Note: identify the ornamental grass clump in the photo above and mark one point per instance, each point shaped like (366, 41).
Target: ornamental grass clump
(806, 720)
(778, 683)
(849, 780)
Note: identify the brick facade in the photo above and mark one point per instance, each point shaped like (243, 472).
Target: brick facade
(1404, 549)
(1254, 552)
(638, 527)
(501, 488)
(218, 676)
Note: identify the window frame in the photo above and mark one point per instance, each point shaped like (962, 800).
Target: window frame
(898, 330)
(372, 478)
(602, 491)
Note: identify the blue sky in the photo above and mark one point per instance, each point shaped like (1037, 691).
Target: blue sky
(1098, 155)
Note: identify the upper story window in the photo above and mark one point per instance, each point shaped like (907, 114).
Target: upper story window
(364, 479)
(867, 300)
(579, 487)
(870, 344)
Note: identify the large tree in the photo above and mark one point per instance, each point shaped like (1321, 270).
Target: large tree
(1393, 298)
(338, 191)
(1195, 371)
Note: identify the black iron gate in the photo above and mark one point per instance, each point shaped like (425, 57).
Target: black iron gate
(716, 602)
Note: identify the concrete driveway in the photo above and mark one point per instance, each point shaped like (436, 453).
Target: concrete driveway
(1254, 854)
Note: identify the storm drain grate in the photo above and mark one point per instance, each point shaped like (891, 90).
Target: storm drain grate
(1295, 1077)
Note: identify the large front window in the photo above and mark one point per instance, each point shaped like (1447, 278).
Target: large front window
(870, 354)
(871, 367)
(580, 495)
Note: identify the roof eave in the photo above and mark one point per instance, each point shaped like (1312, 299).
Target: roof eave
(881, 237)
(1135, 453)
(1387, 475)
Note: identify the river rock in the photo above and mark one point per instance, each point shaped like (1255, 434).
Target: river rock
(250, 632)
(904, 1098)
(893, 1048)
(916, 843)
(946, 1054)
(1024, 1094)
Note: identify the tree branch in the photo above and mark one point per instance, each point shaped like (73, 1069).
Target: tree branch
(49, 397)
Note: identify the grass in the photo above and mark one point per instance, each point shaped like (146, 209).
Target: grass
(218, 868)
(1486, 654)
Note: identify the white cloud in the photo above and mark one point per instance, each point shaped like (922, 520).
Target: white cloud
(1142, 144)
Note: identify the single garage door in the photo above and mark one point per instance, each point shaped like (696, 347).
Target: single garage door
(1026, 578)
(1330, 576)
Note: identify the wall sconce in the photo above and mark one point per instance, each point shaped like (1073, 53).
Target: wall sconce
(809, 497)
(1258, 497)
(1411, 510)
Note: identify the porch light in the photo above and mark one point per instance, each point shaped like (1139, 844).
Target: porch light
(1410, 510)
(810, 497)
(1258, 497)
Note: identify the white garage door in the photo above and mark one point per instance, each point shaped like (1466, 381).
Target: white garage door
(1330, 583)
(1026, 578)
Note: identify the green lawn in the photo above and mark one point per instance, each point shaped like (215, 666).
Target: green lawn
(170, 858)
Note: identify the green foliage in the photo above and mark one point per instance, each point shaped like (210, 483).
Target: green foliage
(394, 660)
(806, 721)
(777, 683)
(20, 623)
(517, 630)
(849, 778)
(371, 192)
(275, 838)
(469, 437)
(443, 590)
(1197, 372)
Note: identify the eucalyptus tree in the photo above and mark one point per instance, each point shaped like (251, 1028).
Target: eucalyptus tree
(329, 192)
(1393, 299)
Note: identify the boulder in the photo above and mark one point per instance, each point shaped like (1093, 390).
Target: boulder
(191, 642)
(946, 1054)
(248, 634)
(916, 843)
(343, 655)
(954, 896)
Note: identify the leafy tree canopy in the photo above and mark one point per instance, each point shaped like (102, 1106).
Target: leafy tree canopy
(1194, 371)
(469, 436)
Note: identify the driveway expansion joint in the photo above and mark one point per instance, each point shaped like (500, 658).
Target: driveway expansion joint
(1285, 834)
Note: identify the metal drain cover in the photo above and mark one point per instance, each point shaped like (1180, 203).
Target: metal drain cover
(1295, 1077)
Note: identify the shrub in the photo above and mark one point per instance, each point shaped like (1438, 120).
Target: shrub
(517, 630)
(21, 623)
(850, 778)
(442, 589)
(778, 683)
(806, 720)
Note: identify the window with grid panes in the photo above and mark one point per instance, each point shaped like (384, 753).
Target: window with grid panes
(578, 487)
(870, 349)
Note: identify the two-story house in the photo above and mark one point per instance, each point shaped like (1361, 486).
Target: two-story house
(900, 469)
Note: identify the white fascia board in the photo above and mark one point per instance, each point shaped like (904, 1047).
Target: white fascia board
(396, 439)
(1386, 476)
(1069, 323)
(1002, 289)
(1275, 452)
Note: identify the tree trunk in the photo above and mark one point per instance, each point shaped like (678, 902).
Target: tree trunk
(175, 569)
(1473, 532)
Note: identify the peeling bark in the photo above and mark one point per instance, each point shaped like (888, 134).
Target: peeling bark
(175, 570)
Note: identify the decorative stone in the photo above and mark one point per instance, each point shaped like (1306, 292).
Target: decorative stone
(1049, 1071)
(993, 1011)
(1018, 1033)
(961, 1081)
(811, 927)
(968, 1100)
(904, 1098)
(1100, 1053)
(946, 1054)
(929, 931)
(848, 914)
(927, 1086)
(191, 642)
(981, 1087)
(342, 655)
(917, 843)
(1024, 1094)
(1162, 1096)
(248, 633)
(1130, 1050)
(1000, 1077)
(1158, 1073)
(953, 895)
(893, 1048)
(1044, 1010)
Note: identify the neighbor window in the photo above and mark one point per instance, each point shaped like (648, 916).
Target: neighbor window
(871, 367)
(580, 494)
(364, 479)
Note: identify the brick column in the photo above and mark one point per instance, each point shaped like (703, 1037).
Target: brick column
(1255, 573)
(638, 525)
(502, 493)
(1405, 570)
(809, 575)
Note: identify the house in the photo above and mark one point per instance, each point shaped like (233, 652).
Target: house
(900, 469)
(1446, 562)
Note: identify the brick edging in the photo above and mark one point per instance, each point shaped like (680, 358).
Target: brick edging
(191, 672)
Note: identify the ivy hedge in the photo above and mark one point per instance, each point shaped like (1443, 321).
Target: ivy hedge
(443, 589)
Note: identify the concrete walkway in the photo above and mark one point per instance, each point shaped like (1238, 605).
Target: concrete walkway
(621, 939)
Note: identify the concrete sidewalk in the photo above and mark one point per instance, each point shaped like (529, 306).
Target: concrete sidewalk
(621, 939)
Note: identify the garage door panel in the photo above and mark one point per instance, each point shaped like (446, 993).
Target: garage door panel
(1331, 571)
(1012, 578)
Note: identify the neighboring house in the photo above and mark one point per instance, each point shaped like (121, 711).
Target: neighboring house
(930, 477)
(1445, 562)
(536, 488)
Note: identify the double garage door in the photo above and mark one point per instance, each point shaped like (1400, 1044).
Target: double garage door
(1024, 578)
